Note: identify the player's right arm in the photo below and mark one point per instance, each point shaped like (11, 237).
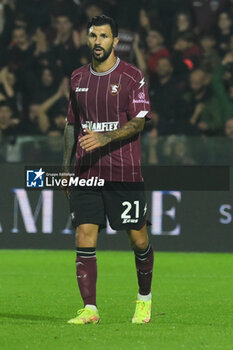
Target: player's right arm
(69, 146)
(70, 140)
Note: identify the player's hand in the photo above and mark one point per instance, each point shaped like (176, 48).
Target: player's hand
(93, 140)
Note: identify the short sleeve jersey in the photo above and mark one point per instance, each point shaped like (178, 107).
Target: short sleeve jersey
(104, 102)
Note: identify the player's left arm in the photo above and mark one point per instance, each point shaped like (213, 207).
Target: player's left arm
(95, 140)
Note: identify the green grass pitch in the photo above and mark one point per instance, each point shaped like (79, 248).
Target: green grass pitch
(192, 302)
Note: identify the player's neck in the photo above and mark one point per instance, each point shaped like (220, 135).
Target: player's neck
(101, 67)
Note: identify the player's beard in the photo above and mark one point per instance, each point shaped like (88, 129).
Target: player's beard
(104, 57)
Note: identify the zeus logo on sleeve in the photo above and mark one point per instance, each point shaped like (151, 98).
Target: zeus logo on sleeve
(141, 83)
(78, 89)
(98, 127)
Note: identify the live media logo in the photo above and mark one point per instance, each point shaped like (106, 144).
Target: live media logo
(35, 178)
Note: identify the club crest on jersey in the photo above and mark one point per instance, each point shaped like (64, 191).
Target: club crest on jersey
(114, 89)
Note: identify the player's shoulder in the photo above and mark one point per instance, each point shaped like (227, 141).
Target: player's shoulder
(80, 71)
(130, 71)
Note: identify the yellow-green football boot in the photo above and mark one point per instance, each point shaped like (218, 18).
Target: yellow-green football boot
(85, 316)
(142, 312)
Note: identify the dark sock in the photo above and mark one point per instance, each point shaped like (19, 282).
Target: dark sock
(86, 272)
(144, 264)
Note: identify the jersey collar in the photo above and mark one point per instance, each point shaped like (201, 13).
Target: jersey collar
(107, 71)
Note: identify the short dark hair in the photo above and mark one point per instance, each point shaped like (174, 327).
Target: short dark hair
(103, 20)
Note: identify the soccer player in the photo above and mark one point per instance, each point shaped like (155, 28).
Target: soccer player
(107, 110)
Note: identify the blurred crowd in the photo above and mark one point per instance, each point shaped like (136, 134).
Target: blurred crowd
(183, 47)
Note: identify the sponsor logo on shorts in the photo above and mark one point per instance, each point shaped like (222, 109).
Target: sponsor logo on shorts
(145, 209)
(132, 221)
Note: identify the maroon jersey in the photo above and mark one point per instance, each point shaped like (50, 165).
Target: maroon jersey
(105, 102)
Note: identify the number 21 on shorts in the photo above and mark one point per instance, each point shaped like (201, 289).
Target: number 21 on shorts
(125, 216)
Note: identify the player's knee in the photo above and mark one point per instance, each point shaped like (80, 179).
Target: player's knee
(85, 237)
(140, 244)
(84, 240)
